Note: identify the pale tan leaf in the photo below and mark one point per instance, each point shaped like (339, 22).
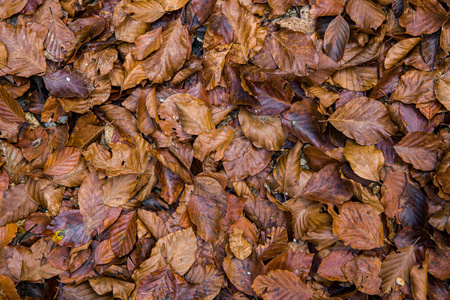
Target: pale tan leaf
(144, 11)
(194, 115)
(442, 90)
(399, 51)
(358, 79)
(366, 161)
(239, 245)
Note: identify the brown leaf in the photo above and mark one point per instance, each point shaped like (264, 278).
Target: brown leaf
(274, 242)
(336, 38)
(289, 174)
(130, 29)
(442, 89)
(144, 11)
(264, 131)
(356, 78)
(58, 38)
(104, 285)
(147, 43)
(79, 291)
(365, 13)
(420, 149)
(395, 269)
(365, 120)
(15, 205)
(242, 273)
(194, 115)
(30, 264)
(214, 142)
(279, 284)
(122, 118)
(179, 250)
(399, 51)
(294, 52)
(67, 229)
(326, 186)
(153, 223)
(366, 161)
(123, 234)
(207, 206)
(9, 8)
(301, 121)
(68, 84)
(158, 284)
(439, 262)
(419, 279)
(424, 18)
(7, 234)
(170, 57)
(90, 200)
(239, 245)
(119, 189)
(25, 50)
(323, 8)
(8, 289)
(134, 72)
(422, 91)
(245, 34)
(330, 267)
(62, 161)
(3, 56)
(242, 159)
(364, 272)
(358, 226)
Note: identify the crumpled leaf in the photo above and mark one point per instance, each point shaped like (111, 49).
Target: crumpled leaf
(264, 131)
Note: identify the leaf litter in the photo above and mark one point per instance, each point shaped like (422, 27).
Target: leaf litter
(224, 149)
